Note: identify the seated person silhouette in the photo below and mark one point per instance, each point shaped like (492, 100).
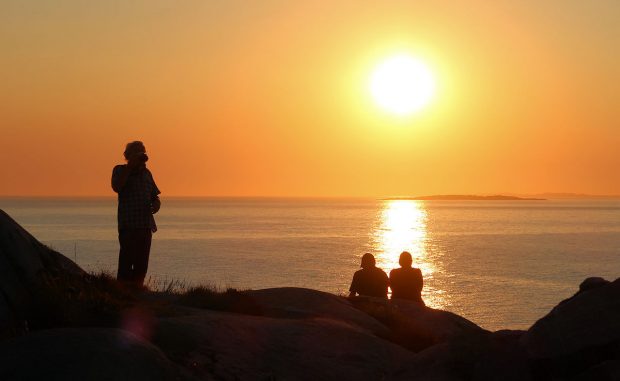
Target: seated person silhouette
(406, 282)
(370, 280)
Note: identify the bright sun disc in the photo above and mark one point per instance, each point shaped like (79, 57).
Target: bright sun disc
(402, 85)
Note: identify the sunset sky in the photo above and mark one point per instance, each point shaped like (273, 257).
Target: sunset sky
(271, 98)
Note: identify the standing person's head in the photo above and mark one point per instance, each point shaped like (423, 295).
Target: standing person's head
(405, 259)
(135, 150)
(368, 261)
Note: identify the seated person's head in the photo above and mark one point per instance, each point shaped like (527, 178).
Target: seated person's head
(405, 259)
(368, 261)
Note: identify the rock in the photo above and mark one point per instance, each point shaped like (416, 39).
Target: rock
(590, 319)
(233, 346)
(441, 325)
(607, 371)
(292, 334)
(415, 326)
(503, 358)
(592, 283)
(303, 303)
(578, 334)
(481, 357)
(23, 260)
(449, 360)
(587, 285)
(84, 354)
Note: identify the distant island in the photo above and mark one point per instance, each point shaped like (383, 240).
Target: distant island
(466, 197)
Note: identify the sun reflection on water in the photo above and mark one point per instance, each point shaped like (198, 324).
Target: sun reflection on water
(402, 226)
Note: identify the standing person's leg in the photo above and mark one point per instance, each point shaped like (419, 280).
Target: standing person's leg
(143, 249)
(124, 256)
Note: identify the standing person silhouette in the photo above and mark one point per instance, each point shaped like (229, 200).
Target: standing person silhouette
(406, 282)
(370, 280)
(138, 200)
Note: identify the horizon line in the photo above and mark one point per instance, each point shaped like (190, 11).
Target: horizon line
(110, 196)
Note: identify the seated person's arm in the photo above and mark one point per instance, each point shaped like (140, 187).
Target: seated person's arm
(353, 288)
(421, 281)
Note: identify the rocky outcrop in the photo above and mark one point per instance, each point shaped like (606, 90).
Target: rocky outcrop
(441, 325)
(240, 347)
(23, 262)
(487, 356)
(303, 303)
(84, 354)
(589, 319)
(580, 333)
(284, 334)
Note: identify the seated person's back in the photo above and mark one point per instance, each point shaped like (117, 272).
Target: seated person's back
(406, 282)
(370, 280)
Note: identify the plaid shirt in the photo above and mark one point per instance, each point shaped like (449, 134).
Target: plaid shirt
(135, 200)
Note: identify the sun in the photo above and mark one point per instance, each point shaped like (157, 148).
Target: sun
(402, 85)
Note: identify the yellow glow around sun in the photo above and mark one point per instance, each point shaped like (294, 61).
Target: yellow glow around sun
(402, 85)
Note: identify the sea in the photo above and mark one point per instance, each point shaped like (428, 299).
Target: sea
(501, 264)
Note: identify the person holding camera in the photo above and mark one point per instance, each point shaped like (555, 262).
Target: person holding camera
(138, 200)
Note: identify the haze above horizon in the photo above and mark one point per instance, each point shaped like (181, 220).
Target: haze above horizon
(272, 98)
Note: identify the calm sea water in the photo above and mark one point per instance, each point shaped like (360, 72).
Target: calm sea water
(502, 264)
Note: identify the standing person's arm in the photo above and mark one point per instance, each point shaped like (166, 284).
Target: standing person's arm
(121, 174)
(155, 201)
(155, 204)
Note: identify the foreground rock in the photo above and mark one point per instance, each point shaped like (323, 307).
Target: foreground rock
(275, 334)
(23, 262)
(441, 325)
(238, 347)
(303, 303)
(580, 333)
(84, 354)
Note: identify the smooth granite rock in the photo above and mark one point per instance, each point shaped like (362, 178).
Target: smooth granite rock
(293, 334)
(589, 319)
(23, 261)
(303, 303)
(230, 346)
(441, 325)
(97, 354)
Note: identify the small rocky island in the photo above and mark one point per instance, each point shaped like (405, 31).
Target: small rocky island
(58, 322)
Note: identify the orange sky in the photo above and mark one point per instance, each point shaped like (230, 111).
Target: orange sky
(270, 98)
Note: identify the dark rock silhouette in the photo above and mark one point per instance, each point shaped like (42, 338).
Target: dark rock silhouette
(84, 354)
(23, 262)
(233, 346)
(302, 303)
(579, 333)
(441, 325)
(284, 334)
